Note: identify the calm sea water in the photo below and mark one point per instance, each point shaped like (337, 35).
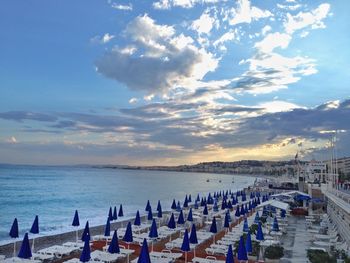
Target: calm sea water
(54, 193)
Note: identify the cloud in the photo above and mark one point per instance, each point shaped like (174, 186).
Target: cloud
(168, 4)
(313, 19)
(272, 41)
(127, 7)
(204, 24)
(161, 61)
(102, 40)
(27, 115)
(245, 13)
(12, 140)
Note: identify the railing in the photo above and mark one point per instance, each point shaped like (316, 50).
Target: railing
(342, 195)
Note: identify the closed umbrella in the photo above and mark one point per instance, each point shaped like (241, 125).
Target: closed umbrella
(86, 253)
(14, 234)
(76, 223)
(245, 226)
(121, 212)
(171, 223)
(115, 214)
(190, 216)
(242, 252)
(114, 245)
(259, 233)
(137, 221)
(173, 205)
(128, 234)
(229, 256)
(205, 210)
(248, 243)
(86, 233)
(107, 229)
(110, 214)
(257, 218)
(190, 198)
(193, 238)
(196, 204)
(213, 228)
(275, 226)
(181, 219)
(178, 206)
(159, 206)
(148, 206)
(226, 221)
(238, 213)
(185, 247)
(160, 214)
(153, 233)
(185, 202)
(144, 254)
(35, 229)
(24, 251)
(150, 214)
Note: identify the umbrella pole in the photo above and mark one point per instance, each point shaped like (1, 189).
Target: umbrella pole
(76, 236)
(33, 245)
(152, 245)
(194, 252)
(186, 257)
(14, 248)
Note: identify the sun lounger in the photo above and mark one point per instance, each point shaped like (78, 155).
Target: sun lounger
(317, 248)
(166, 254)
(19, 260)
(57, 251)
(78, 245)
(106, 257)
(42, 257)
(208, 259)
(155, 260)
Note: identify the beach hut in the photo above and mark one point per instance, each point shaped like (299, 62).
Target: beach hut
(14, 234)
(229, 257)
(144, 254)
(185, 247)
(86, 253)
(34, 229)
(24, 251)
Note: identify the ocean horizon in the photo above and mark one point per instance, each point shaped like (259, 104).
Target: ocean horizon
(54, 192)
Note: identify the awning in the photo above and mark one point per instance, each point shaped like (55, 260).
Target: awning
(275, 203)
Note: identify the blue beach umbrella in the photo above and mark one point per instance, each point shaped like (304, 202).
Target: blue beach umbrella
(226, 221)
(86, 253)
(190, 198)
(275, 226)
(205, 210)
(259, 233)
(115, 214)
(110, 214)
(150, 214)
(108, 228)
(35, 229)
(215, 206)
(248, 243)
(242, 252)
(223, 204)
(153, 233)
(229, 204)
(213, 228)
(196, 204)
(121, 213)
(128, 234)
(114, 245)
(238, 213)
(144, 254)
(181, 219)
(14, 234)
(198, 199)
(245, 226)
(137, 221)
(257, 218)
(185, 247)
(185, 202)
(148, 206)
(190, 216)
(193, 238)
(173, 205)
(171, 223)
(283, 213)
(86, 233)
(229, 257)
(178, 206)
(76, 223)
(160, 212)
(159, 206)
(24, 251)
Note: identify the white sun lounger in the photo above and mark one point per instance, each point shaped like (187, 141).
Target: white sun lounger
(166, 254)
(19, 260)
(208, 259)
(57, 251)
(78, 245)
(42, 257)
(106, 257)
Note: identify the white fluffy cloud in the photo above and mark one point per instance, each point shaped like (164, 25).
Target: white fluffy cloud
(122, 7)
(302, 20)
(204, 24)
(272, 41)
(167, 4)
(245, 13)
(161, 60)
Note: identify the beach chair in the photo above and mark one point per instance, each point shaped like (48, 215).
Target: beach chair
(165, 253)
(42, 257)
(208, 259)
(20, 260)
(106, 257)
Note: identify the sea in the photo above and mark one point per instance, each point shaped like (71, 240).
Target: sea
(54, 193)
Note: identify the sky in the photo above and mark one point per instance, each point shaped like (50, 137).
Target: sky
(167, 82)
